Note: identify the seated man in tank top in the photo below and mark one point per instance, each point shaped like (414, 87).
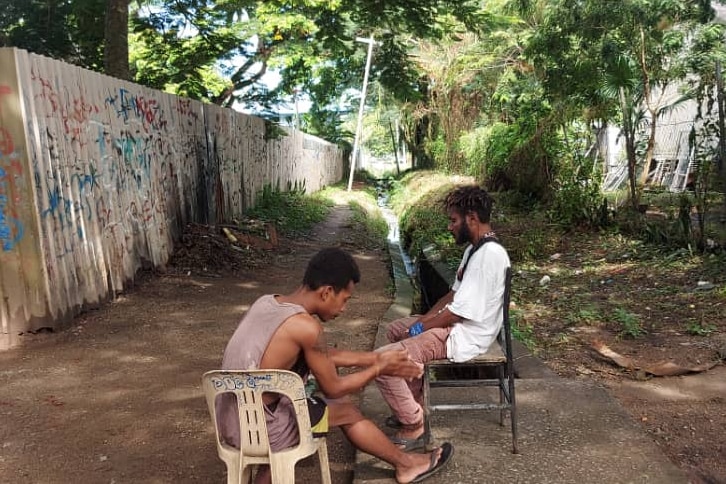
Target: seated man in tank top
(462, 324)
(285, 332)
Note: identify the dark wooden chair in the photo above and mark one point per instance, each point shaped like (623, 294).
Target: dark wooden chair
(494, 368)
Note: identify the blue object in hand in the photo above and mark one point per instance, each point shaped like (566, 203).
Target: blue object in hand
(416, 329)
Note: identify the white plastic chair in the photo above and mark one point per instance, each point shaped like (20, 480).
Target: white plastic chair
(248, 387)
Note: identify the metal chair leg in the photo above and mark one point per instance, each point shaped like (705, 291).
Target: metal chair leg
(513, 414)
(428, 438)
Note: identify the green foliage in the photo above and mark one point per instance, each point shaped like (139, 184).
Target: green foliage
(700, 329)
(71, 31)
(531, 245)
(522, 331)
(588, 315)
(630, 325)
(668, 228)
(473, 145)
(503, 139)
(577, 197)
(438, 150)
(612, 58)
(422, 225)
(370, 226)
(292, 211)
(417, 200)
(522, 148)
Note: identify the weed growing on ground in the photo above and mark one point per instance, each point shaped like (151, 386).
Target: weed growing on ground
(630, 324)
(700, 329)
(521, 331)
(587, 315)
(370, 225)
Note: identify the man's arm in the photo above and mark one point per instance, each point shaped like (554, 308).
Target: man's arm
(441, 319)
(309, 335)
(347, 358)
(439, 316)
(441, 304)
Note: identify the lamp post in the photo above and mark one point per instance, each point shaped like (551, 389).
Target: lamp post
(358, 128)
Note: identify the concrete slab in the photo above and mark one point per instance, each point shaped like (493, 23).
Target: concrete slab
(569, 432)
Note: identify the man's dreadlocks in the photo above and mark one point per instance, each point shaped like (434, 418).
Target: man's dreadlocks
(470, 198)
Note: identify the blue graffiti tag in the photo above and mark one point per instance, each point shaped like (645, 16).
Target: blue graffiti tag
(11, 230)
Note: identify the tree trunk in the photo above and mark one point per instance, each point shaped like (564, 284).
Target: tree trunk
(629, 131)
(721, 133)
(116, 43)
(650, 149)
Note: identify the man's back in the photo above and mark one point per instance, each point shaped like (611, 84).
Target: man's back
(245, 351)
(256, 330)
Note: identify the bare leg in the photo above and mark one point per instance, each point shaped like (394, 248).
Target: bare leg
(367, 437)
(264, 475)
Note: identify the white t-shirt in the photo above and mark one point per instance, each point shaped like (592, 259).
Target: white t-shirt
(478, 300)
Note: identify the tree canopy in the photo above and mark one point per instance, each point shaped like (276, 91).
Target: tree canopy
(502, 89)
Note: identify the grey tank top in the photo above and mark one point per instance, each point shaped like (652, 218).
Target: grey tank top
(244, 352)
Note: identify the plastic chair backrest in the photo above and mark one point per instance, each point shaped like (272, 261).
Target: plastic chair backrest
(248, 386)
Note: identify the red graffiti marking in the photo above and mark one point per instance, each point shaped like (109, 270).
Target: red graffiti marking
(184, 107)
(148, 210)
(15, 167)
(7, 146)
(74, 112)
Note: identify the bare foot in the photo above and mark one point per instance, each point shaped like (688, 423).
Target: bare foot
(420, 464)
(419, 471)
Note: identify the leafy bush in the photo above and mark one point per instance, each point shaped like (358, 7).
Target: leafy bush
(577, 196)
(423, 225)
(665, 229)
(473, 145)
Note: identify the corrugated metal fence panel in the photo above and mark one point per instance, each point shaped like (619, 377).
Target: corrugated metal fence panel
(23, 287)
(106, 167)
(99, 176)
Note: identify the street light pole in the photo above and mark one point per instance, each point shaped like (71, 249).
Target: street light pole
(358, 128)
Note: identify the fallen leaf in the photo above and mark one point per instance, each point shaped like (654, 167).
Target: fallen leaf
(662, 368)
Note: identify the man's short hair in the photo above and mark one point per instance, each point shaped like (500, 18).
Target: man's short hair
(470, 198)
(331, 267)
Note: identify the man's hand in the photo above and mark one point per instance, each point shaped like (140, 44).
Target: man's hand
(397, 363)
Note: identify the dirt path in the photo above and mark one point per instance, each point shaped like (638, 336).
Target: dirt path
(116, 398)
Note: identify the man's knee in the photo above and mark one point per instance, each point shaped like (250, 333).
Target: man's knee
(343, 413)
(398, 329)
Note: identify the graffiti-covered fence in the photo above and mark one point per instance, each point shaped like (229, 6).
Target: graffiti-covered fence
(99, 176)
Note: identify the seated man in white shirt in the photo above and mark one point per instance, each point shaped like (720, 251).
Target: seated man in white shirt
(463, 323)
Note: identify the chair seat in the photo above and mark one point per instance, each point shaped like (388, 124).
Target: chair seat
(494, 355)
